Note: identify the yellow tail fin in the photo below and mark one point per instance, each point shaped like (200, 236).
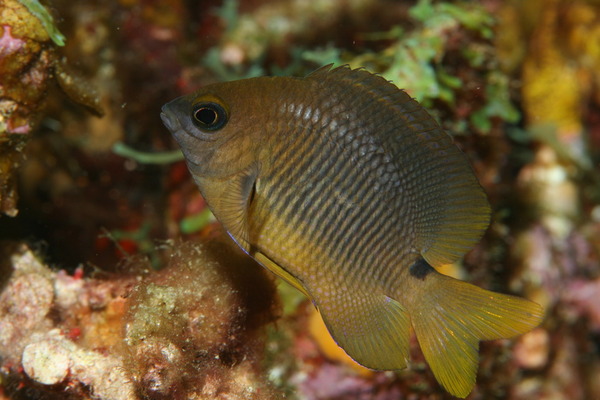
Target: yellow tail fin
(450, 317)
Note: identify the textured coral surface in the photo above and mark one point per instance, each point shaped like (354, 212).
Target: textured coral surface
(192, 330)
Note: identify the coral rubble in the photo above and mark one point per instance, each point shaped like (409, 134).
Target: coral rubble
(37, 340)
(29, 65)
(192, 330)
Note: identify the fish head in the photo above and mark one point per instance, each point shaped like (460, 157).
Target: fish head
(217, 128)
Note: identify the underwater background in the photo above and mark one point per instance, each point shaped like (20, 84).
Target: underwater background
(116, 282)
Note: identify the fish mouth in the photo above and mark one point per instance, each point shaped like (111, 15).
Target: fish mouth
(169, 120)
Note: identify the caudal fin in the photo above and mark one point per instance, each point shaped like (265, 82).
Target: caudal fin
(450, 317)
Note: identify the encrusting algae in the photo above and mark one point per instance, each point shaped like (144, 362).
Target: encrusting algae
(347, 188)
(193, 330)
(29, 66)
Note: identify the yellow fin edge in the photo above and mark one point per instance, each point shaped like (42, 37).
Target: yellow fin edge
(452, 317)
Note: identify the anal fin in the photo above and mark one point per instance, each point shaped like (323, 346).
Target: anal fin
(371, 327)
(278, 270)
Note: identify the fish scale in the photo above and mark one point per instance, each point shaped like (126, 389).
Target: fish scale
(315, 213)
(307, 218)
(348, 189)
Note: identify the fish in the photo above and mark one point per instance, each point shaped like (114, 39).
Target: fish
(347, 188)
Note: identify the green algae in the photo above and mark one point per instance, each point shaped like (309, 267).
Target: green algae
(41, 13)
(167, 157)
(414, 59)
(196, 222)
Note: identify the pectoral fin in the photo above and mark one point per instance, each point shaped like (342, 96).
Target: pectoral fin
(229, 200)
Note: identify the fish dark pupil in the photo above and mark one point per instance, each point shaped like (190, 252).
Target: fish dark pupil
(209, 116)
(206, 116)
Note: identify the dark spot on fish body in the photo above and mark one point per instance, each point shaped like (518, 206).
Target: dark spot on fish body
(420, 269)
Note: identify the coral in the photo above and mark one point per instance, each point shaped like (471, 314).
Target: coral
(50, 358)
(418, 61)
(25, 68)
(563, 50)
(11, 157)
(40, 312)
(532, 349)
(26, 301)
(29, 63)
(193, 329)
(560, 58)
(585, 297)
(548, 190)
(250, 36)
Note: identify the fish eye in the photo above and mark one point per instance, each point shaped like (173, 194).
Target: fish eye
(209, 116)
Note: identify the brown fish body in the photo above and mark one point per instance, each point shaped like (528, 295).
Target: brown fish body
(345, 186)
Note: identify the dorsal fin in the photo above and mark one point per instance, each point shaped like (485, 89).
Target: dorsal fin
(450, 206)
